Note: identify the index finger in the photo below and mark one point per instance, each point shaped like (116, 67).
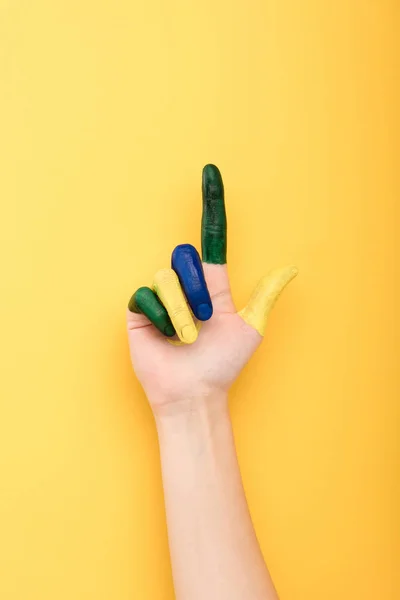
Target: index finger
(213, 223)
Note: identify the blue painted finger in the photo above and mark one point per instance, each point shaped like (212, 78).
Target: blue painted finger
(187, 265)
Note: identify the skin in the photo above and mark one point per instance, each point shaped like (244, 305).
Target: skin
(214, 549)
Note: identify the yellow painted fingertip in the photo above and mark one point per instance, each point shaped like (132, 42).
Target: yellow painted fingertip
(167, 287)
(265, 295)
(178, 342)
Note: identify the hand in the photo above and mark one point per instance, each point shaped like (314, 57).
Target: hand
(202, 360)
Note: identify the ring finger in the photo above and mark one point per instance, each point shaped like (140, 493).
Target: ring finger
(167, 287)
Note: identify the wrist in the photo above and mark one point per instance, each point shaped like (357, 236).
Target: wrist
(199, 410)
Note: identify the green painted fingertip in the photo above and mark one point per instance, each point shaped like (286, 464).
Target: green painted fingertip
(213, 224)
(169, 330)
(132, 306)
(145, 301)
(213, 186)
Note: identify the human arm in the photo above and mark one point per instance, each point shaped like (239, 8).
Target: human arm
(214, 550)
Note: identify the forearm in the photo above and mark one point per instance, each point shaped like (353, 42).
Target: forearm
(214, 550)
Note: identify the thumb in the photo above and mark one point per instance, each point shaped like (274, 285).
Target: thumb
(264, 297)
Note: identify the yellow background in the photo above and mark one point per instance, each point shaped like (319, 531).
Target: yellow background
(108, 111)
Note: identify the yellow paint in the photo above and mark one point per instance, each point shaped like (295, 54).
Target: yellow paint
(181, 343)
(264, 297)
(108, 112)
(167, 287)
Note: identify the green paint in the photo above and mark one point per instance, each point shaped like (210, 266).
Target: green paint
(146, 302)
(213, 224)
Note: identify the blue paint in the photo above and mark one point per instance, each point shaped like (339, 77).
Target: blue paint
(187, 265)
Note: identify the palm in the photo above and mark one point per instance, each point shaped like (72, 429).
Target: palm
(224, 345)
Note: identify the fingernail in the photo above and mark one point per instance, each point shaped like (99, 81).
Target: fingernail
(204, 312)
(213, 186)
(188, 334)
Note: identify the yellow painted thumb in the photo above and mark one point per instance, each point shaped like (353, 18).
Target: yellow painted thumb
(265, 295)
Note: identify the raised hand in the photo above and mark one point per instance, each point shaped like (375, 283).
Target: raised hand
(187, 341)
